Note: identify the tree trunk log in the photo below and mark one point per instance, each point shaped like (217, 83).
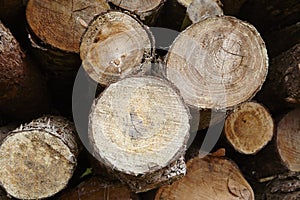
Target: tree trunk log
(217, 63)
(146, 10)
(23, 91)
(288, 140)
(115, 45)
(139, 127)
(249, 128)
(284, 187)
(208, 178)
(38, 159)
(200, 10)
(282, 87)
(95, 189)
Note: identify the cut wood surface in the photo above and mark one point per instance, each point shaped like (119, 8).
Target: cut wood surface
(284, 187)
(288, 140)
(146, 10)
(23, 91)
(115, 45)
(140, 126)
(211, 178)
(38, 159)
(199, 10)
(185, 3)
(249, 128)
(217, 63)
(95, 189)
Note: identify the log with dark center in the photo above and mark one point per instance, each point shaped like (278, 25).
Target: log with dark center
(249, 128)
(38, 159)
(23, 89)
(217, 63)
(288, 140)
(139, 127)
(115, 45)
(209, 178)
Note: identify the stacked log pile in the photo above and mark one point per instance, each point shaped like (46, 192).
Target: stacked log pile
(151, 115)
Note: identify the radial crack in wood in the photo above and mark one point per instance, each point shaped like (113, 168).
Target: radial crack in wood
(38, 159)
(217, 63)
(115, 45)
(139, 126)
(249, 128)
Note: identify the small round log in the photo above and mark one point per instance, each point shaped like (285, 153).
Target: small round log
(146, 10)
(209, 178)
(288, 140)
(217, 63)
(115, 45)
(38, 159)
(249, 128)
(139, 127)
(199, 10)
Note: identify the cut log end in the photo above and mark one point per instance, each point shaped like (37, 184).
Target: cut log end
(249, 128)
(62, 23)
(37, 162)
(288, 140)
(139, 125)
(217, 63)
(208, 178)
(114, 46)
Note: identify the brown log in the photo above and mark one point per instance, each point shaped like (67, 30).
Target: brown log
(139, 127)
(217, 63)
(38, 159)
(96, 189)
(146, 10)
(208, 178)
(282, 87)
(23, 91)
(249, 128)
(284, 187)
(288, 140)
(115, 45)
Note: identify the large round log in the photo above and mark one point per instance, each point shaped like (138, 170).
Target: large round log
(249, 128)
(38, 159)
(139, 127)
(23, 89)
(146, 10)
(288, 140)
(210, 178)
(115, 45)
(217, 63)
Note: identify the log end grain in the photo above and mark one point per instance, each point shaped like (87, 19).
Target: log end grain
(288, 140)
(217, 63)
(249, 128)
(115, 45)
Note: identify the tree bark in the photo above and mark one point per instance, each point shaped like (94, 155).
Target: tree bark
(217, 63)
(146, 10)
(115, 45)
(208, 178)
(282, 87)
(96, 189)
(139, 127)
(23, 91)
(38, 159)
(288, 140)
(284, 187)
(249, 128)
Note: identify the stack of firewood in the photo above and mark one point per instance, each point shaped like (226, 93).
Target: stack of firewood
(161, 99)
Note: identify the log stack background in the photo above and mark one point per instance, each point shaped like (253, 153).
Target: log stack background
(246, 52)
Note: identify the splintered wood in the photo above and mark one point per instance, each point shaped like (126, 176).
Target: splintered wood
(217, 63)
(38, 159)
(209, 178)
(139, 127)
(114, 46)
(249, 128)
